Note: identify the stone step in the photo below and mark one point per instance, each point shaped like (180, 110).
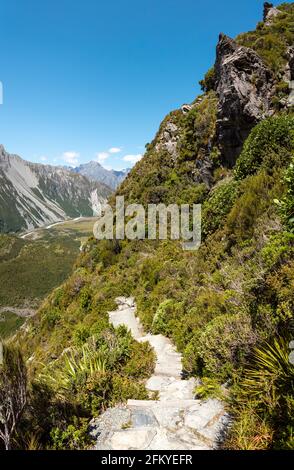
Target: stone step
(170, 388)
(152, 438)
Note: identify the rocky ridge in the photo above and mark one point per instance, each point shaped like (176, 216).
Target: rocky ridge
(245, 87)
(96, 172)
(269, 12)
(33, 195)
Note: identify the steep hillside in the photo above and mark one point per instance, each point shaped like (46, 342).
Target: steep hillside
(228, 307)
(33, 195)
(198, 143)
(95, 172)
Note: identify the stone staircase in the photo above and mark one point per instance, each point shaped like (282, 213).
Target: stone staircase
(175, 421)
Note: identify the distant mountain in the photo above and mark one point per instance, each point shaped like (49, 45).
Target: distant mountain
(95, 172)
(32, 195)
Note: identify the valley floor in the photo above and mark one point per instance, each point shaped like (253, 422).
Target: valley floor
(33, 264)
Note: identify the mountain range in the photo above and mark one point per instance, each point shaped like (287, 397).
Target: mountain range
(32, 195)
(96, 172)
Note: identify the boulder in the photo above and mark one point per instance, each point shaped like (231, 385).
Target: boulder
(186, 108)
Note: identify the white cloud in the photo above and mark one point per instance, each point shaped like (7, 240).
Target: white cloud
(102, 156)
(71, 158)
(132, 158)
(114, 150)
(43, 158)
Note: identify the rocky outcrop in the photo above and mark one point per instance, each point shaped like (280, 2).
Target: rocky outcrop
(266, 8)
(244, 86)
(167, 139)
(269, 12)
(186, 108)
(175, 420)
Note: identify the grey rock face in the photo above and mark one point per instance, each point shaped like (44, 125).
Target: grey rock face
(266, 8)
(168, 139)
(244, 86)
(269, 12)
(203, 171)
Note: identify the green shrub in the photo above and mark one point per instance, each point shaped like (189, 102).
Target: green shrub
(73, 437)
(105, 252)
(80, 335)
(225, 344)
(218, 205)
(278, 290)
(85, 298)
(51, 317)
(141, 360)
(209, 388)
(198, 129)
(286, 206)
(188, 322)
(271, 377)
(279, 247)
(160, 319)
(194, 194)
(270, 144)
(123, 389)
(95, 393)
(256, 197)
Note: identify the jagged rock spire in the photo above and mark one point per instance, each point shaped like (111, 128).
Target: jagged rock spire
(266, 8)
(244, 85)
(269, 12)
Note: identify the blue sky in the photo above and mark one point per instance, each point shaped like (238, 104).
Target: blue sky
(92, 79)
